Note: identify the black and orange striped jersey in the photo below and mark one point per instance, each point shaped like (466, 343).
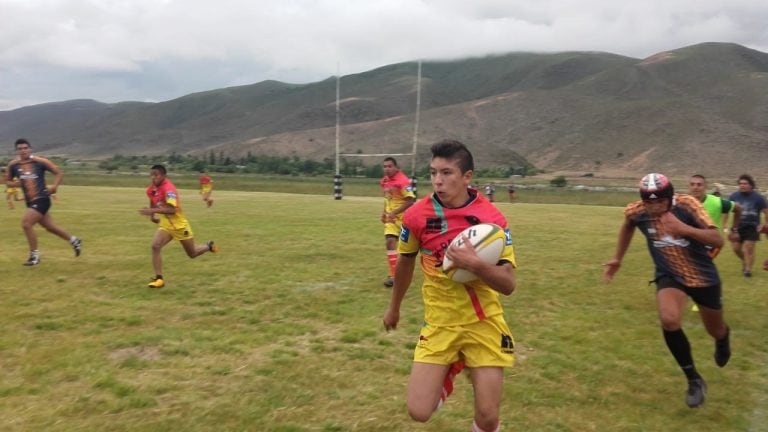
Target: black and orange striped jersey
(31, 175)
(684, 259)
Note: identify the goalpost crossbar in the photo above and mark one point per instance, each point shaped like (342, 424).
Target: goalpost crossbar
(375, 154)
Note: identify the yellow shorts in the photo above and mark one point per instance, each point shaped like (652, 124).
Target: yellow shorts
(484, 343)
(393, 228)
(183, 232)
(206, 189)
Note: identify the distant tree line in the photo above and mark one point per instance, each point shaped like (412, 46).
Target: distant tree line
(280, 165)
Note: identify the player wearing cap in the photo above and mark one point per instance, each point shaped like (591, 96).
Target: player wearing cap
(678, 232)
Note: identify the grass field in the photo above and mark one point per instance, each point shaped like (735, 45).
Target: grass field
(281, 331)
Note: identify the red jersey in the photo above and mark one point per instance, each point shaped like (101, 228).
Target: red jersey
(163, 196)
(428, 227)
(396, 189)
(204, 180)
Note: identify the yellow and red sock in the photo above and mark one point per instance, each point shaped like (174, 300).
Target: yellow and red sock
(392, 259)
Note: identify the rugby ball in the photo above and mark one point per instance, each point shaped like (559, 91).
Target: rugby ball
(487, 239)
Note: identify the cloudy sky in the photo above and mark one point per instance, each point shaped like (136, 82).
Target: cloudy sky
(155, 50)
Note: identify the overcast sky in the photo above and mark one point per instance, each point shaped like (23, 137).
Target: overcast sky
(155, 50)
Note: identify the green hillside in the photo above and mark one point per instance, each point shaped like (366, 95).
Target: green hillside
(697, 108)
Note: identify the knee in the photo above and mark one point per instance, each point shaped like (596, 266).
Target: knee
(420, 414)
(669, 322)
(156, 248)
(487, 420)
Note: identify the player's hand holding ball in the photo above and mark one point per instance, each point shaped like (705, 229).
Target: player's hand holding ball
(483, 243)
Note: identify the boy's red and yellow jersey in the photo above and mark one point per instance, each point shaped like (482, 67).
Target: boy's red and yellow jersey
(428, 227)
(396, 189)
(682, 258)
(165, 195)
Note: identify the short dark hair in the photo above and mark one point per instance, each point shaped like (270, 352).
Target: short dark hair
(699, 176)
(391, 159)
(21, 141)
(454, 150)
(160, 168)
(748, 178)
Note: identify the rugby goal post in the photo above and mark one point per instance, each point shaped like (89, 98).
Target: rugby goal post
(337, 182)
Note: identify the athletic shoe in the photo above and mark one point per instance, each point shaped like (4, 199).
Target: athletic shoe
(389, 282)
(212, 248)
(723, 349)
(450, 377)
(747, 273)
(156, 283)
(697, 393)
(77, 245)
(34, 259)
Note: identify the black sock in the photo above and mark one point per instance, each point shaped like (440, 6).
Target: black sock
(158, 276)
(681, 350)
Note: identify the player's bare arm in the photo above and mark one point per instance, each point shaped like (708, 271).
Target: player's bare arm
(500, 278)
(151, 211)
(612, 266)
(406, 263)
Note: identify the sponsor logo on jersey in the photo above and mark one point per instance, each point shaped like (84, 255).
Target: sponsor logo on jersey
(508, 237)
(405, 234)
(669, 241)
(434, 225)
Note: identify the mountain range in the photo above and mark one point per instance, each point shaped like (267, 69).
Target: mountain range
(701, 108)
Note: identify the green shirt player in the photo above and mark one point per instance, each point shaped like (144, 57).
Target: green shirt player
(717, 208)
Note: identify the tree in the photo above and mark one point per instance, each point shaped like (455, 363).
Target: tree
(558, 181)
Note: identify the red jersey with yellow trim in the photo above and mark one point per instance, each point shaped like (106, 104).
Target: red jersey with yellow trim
(396, 189)
(163, 196)
(205, 180)
(682, 258)
(31, 175)
(428, 227)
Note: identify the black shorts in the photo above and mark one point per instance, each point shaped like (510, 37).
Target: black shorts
(710, 297)
(748, 232)
(42, 205)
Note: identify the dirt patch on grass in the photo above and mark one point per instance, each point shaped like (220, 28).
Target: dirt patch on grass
(140, 352)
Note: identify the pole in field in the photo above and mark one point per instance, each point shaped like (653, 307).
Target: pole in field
(337, 192)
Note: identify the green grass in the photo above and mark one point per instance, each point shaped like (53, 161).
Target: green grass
(282, 331)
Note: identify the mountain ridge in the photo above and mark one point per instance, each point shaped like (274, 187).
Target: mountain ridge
(698, 108)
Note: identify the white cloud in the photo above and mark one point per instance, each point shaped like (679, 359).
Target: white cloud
(115, 50)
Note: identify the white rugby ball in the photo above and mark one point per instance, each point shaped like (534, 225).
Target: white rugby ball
(488, 240)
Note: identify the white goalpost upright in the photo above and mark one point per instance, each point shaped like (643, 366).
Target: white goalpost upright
(337, 183)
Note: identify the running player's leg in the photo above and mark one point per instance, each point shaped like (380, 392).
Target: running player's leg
(193, 250)
(424, 389)
(160, 239)
(28, 221)
(710, 300)
(488, 385)
(671, 302)
(737, 249)
(47, 223)
(749, 256)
